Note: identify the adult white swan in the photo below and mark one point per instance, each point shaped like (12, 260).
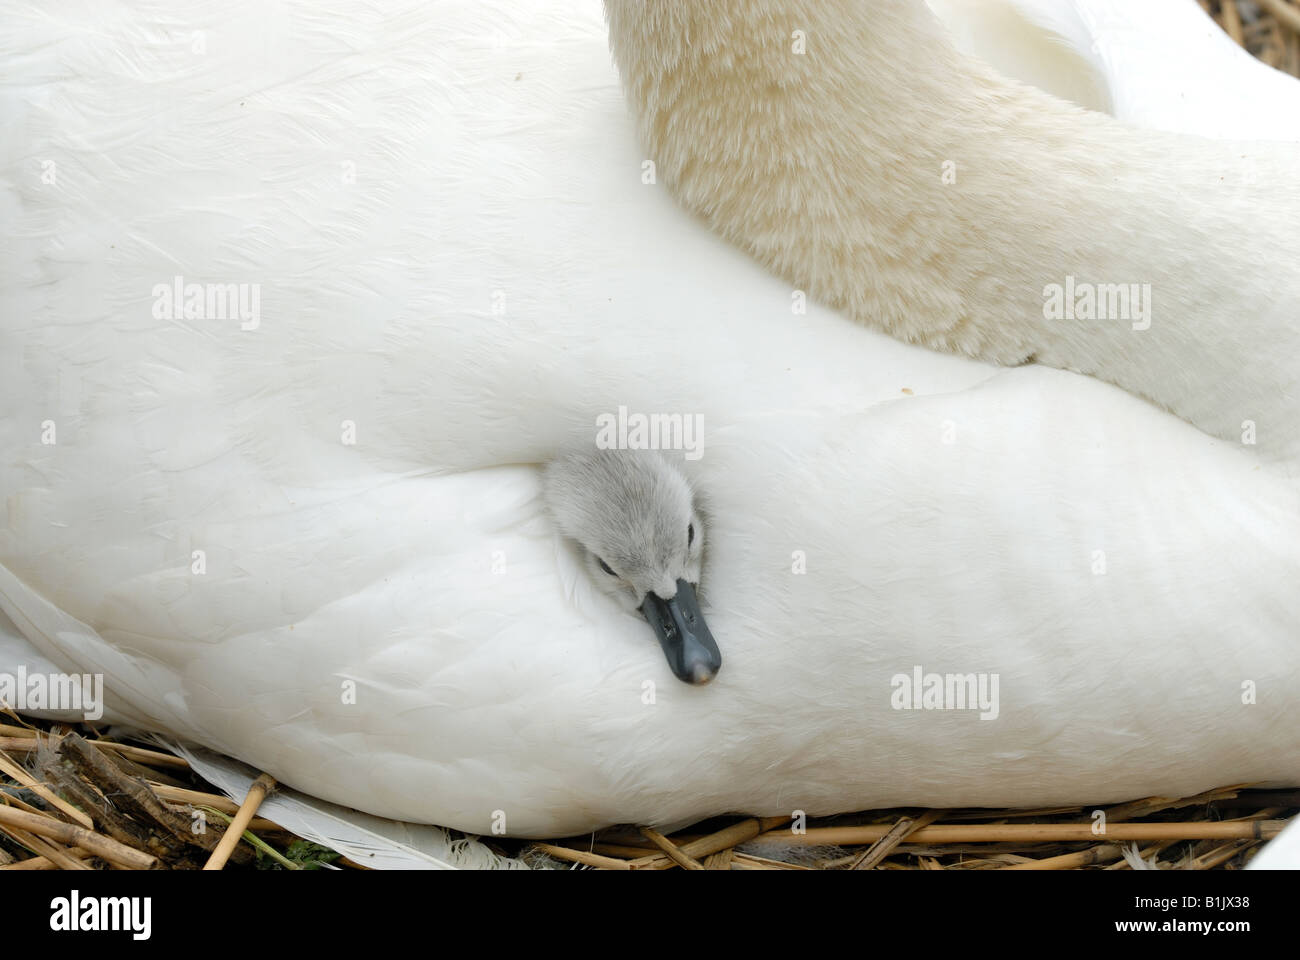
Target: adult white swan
(853, 149)
(316, 544)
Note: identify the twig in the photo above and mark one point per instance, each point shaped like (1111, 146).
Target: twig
(670, 848)
(1037, 832)
(106, 817)
(747, 861)
(255, 840)
(49, 796)
(230, 839)
(1102, 853)
(1219, 855)
(885, 845)
(195, 798)
(56, 857)
(720, 860)
(150, 758)
(1135, 809)
(582, 856)
(134, 798)
(99, 846)
(734, 835)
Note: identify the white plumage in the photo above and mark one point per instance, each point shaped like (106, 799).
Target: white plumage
(856, 153)
(460, 267)
(1158, 64)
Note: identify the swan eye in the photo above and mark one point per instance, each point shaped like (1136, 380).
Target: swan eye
(690, 534)
(605, 566)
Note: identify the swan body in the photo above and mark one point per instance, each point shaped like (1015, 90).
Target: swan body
(319, 544)
(963, 210)
(1159, 64)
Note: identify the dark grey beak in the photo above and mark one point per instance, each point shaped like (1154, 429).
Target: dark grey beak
(683, 634)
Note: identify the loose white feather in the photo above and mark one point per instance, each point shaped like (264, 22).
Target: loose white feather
(370, 841)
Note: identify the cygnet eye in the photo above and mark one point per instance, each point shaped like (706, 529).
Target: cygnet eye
(690, 534)
(605, 566)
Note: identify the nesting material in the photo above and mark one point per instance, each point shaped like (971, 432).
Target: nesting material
(73, 800)
(1218, 829)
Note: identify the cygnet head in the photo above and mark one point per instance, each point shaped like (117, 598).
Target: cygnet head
(634, 516)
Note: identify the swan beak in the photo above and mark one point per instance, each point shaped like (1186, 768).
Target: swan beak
(683, 634)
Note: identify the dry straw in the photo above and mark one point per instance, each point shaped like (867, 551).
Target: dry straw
(80, 803)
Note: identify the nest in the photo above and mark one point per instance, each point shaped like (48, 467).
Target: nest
(1220, 828)
(1269, 29)
(72, 799)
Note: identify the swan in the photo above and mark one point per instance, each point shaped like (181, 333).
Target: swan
(972, 213)
(313, 534)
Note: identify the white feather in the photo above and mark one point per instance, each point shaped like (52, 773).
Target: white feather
(373, 842)
(1133, 857)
